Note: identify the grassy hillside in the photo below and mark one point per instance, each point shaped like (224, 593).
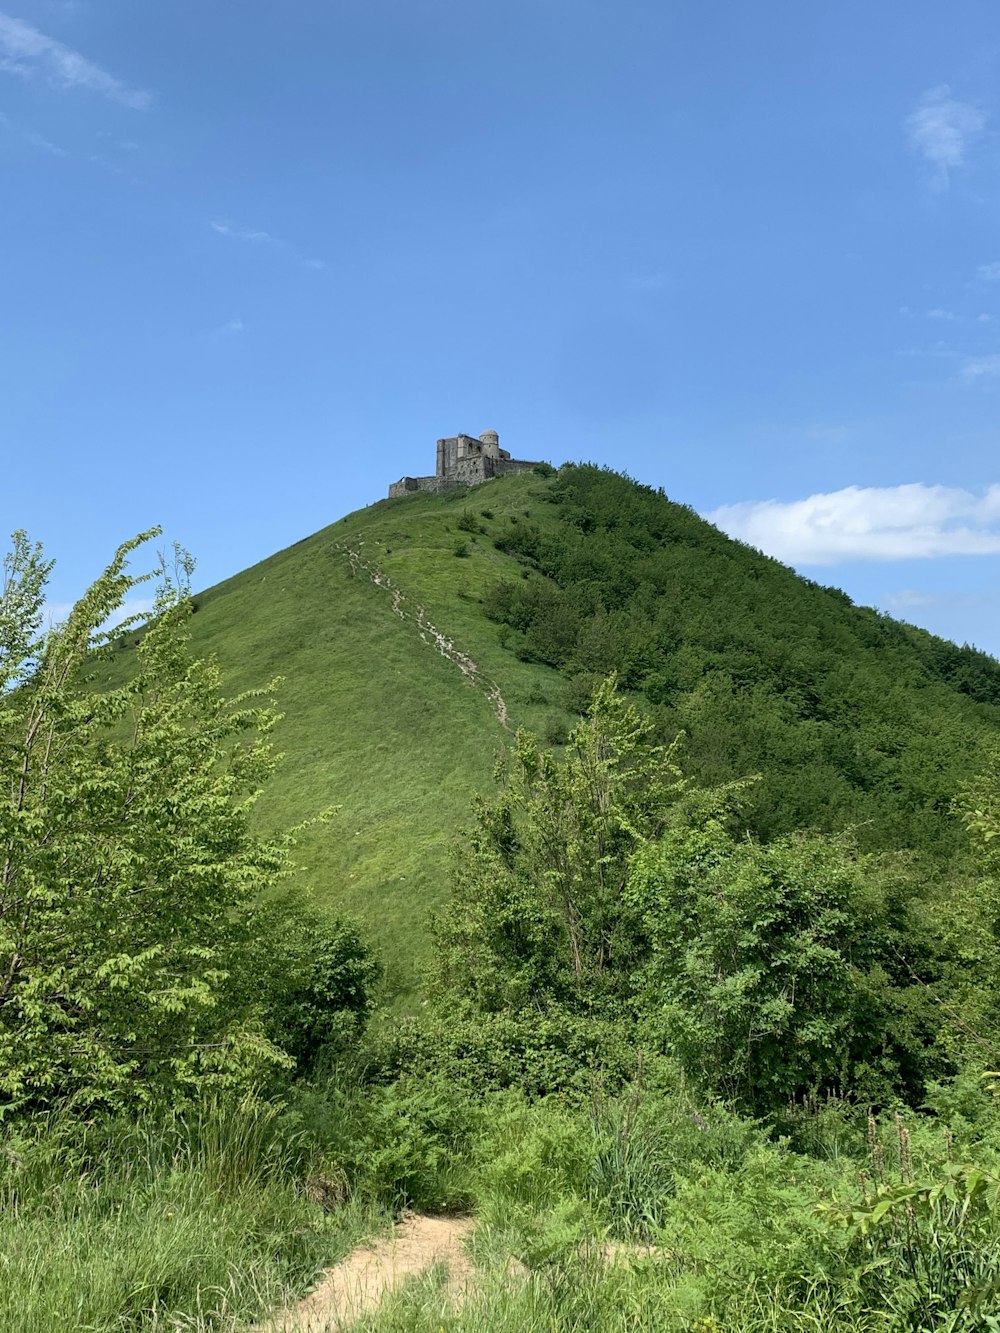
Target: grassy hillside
(414, 636)
(378, 721)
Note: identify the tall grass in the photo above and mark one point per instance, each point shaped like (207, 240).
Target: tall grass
(176, 1223)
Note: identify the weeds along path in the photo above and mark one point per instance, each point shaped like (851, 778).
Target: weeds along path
(428, 632)
(357, 1285)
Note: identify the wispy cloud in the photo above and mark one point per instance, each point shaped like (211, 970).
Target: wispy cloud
(869, 523)
(942, 130)
(231, 329)
(245, 234)
(989, 272)
(264, 238)
(31, 137)
(26, 51)
(981, 368)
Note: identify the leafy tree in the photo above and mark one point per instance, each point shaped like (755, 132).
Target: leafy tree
(775, 970)
(128, 865)
(320, 978)
(966, 915)
(605, 889)
(538, 914)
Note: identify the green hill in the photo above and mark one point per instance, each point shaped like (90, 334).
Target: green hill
(414, 636)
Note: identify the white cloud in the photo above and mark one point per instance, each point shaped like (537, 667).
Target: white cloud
(920, 599)
(245, 234)
(982, 368)
(989, 272)
(942, 130)
(264, 238)
(869, 523)
(938, 313)
(26, 51)
(46, 145)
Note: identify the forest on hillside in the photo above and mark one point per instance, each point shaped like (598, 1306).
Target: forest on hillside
(851, 716)
(711, 1037)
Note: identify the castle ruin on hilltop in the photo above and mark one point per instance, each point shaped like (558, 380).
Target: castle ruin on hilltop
(464, 461)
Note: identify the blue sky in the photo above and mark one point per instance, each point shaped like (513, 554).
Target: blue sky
(256, 258)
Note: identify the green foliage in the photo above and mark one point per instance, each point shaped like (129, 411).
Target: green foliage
(538, 1051)
(315, 982)
(979, 805)
(556, 731)
(924, 1244)
(155, 1222)
(128, 867)
(852, 718)
(407, 1144)
(539, 914)
(773, 970)
(469, 523)
(605, 889)
(842, 711)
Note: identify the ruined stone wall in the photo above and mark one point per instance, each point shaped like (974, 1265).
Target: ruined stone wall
(512, 467)
(408, 485)
(469, 472)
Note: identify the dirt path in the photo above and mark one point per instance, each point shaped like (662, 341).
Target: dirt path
(357, 1285)
(429, 633)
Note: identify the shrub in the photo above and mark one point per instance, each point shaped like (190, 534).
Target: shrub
(317, 979)
(556, 731)
(924, 1244)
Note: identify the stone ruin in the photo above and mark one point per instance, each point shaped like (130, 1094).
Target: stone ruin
(464, 461)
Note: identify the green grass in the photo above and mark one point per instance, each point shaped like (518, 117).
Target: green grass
(652, 1210)
(376, 721)
(201, 1223)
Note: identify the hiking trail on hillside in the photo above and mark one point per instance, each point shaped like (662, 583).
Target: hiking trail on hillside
(428, 632)
(357, 1285)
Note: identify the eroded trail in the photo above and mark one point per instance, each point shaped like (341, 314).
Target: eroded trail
(357, 1285)
(429, 632)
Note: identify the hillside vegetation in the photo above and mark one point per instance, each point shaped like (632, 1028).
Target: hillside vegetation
(547, 584)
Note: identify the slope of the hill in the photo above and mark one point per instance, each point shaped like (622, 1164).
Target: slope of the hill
(850, 716)
(397, 696)
(414, 635)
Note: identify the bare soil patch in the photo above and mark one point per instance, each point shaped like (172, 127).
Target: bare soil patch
(357, 1284)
